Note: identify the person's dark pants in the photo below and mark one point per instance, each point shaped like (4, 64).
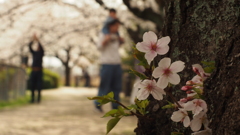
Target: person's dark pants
(36, 83)
(111, 80)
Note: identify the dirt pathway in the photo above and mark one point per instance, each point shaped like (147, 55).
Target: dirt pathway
(65, 111)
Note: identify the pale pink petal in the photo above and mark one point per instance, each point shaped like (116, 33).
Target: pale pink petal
(177, 66)
(137, 84)
(150, 37)
(146, 82)
(142, 47)
(177, 116)
(174, 79)
(196, 124)
(157, 72)
(189, 106)
(162, 50)
(162, 82)
(159, 89)
(150, 56)
(192, 94)
(186, 121)
(157, 94)
(165, 62)
(142, 94)
(197, 79)
(197, 110)
(164, 41)
(199, 67)
(204, 105)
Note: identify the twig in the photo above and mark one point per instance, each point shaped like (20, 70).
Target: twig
(127, 108)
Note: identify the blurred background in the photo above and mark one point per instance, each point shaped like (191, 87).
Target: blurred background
(68, 31)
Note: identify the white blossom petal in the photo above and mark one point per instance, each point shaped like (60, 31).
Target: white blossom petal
(199, 67)
(142, 47)
(164, 41)
(186, 121)
(197, 79)
(162, 50)
(157, 72)
(142, 94)
(137, 84)
(162, 82)
(157, 94)
(189, 106)
(196, 124)
(150, 37)
(150, 56)
(197, 110)
(177, 116)
(177, 66)
(174, 79)
(165, 62)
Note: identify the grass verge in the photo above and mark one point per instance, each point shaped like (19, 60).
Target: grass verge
(14, 103)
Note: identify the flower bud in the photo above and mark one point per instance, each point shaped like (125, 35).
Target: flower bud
(189, 92)
(196, 71)
(184, 100)
(185, 88)
(190, 82)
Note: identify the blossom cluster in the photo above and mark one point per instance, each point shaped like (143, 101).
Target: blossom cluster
(165, 75)
(193, 104)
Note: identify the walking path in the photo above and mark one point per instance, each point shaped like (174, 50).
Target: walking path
(64, 111)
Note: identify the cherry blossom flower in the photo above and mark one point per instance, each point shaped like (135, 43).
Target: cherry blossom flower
(196, 106)
(148, 87)
(197, 79)
(198, 120)
(152, 46)
(181, 115)
(167, 72)
(200, 72)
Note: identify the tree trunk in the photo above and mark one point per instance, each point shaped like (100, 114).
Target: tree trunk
(67, 75)
(203, 30)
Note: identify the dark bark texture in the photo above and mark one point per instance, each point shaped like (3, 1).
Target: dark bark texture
(203, 30)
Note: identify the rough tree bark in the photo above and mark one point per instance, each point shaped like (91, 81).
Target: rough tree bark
(203, 30)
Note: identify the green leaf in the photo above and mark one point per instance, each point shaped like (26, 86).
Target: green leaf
(104, 99)
(110, 94)
(176, 133)
(140, 75)
(111, 124)
(209, 69)
(111, 113)
(141, 57)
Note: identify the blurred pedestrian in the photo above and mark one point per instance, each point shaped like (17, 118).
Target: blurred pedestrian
(37, 70)
(111, 17)
(111, 71)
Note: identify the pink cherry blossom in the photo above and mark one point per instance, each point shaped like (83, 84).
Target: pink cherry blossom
(181, 115)
(196, 106)
(197, 79)
(167, 72)
(198, 120)
(148, 87)
(200, 71)
(152, 46)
